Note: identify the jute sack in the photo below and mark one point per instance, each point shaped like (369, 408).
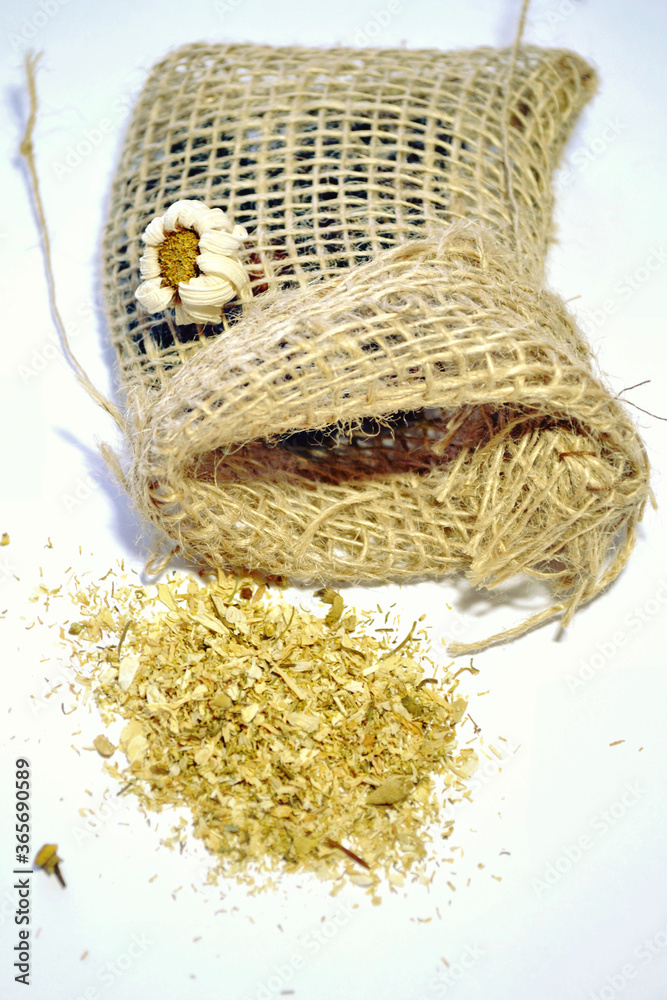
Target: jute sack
(402, 396)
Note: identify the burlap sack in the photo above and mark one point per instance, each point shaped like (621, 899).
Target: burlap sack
(402, 396)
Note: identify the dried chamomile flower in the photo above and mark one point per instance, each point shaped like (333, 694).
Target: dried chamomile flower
(191, 262)
(47, 858)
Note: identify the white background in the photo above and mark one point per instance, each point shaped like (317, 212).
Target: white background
(558, 924)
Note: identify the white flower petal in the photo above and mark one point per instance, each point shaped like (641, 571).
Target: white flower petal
(182, 213)
(205, 289)
(218, 241)
(228, 268)
(190, 211)
(154, 232)
(154, 296)
(215, 218)
(201, 293)
(208, 314)
(181, 317)
(200, 287)
(149, 263)
(171, 217)
(202, 314)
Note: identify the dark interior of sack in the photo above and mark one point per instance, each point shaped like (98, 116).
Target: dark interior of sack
(314, 211)
(407, 441)
(414, 441)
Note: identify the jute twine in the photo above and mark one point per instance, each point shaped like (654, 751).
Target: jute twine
(402, 396)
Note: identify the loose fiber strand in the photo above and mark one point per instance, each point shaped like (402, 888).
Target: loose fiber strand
(28, 153)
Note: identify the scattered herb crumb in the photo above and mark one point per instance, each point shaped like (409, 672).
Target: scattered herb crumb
(104, 746)
(297, 742)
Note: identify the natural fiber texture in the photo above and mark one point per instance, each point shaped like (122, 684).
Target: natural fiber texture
(402, 396)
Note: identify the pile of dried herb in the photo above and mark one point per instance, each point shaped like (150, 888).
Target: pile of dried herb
(296, 741)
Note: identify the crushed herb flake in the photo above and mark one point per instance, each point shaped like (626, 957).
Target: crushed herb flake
(285, 734)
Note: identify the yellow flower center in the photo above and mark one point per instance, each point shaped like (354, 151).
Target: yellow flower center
(177, 255)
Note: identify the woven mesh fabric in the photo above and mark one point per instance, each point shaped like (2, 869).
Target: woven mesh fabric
(328, 157)
(402, 395)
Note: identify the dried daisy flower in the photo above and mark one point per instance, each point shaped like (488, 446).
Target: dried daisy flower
(191, 262)
(47, 858)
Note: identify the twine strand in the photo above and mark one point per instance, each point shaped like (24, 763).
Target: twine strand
(507, 164)
(27, 151)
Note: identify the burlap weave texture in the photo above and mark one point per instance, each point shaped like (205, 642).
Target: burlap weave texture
(402, 396)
